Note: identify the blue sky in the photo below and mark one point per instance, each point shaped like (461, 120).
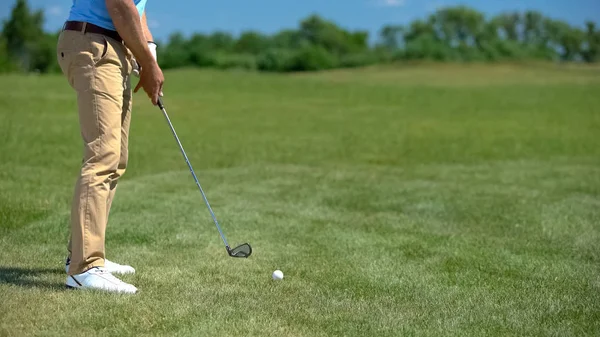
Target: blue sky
(268, 16)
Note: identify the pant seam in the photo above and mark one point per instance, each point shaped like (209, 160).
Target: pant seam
(95, 105)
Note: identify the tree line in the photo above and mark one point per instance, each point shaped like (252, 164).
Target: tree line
(451, 34)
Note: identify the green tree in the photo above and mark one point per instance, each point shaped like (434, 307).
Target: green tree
(176, 53)
(567, 40)
(335, 40)
(6, 65)
(458, 25)
(418, 29)
(422, 42)
(572, 43)
(276, 60)
(591, 52)
(251, 42)
(460, 31)
(286, 39)
(313, 58)
(509, 24)
(23, 33)
(43, 54)
(536, 36)
(533, 32)
(198, 49)
(392, 37)
(221, 41)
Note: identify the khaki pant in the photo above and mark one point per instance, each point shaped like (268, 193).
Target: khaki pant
(98, 69)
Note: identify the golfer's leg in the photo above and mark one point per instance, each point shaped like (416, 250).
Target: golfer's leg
(98, 81)
(124, 153)
(67, 40)
(125, 57)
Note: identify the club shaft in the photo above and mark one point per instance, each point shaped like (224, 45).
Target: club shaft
(162, 108)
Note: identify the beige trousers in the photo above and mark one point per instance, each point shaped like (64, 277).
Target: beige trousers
(98, 68)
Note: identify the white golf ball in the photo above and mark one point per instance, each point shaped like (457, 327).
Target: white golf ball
(277, 275)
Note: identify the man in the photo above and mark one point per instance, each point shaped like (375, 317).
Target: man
(97, 50)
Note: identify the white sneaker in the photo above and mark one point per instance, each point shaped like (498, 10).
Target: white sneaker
(111, 267)
(99, 279)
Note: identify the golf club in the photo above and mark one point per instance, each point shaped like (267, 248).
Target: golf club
(243, 250)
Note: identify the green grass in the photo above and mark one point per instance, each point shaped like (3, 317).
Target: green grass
(417, 201)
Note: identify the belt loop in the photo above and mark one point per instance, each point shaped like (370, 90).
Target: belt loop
(84, 27)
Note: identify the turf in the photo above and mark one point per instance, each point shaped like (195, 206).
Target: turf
(410, 201)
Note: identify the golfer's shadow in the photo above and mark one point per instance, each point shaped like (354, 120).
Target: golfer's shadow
(31, 277)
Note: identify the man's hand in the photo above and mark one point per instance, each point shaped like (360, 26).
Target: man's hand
(151, 79)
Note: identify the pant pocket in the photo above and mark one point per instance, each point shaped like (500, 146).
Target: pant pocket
(100, 47)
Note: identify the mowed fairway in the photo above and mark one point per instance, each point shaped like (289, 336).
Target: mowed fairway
(412, 201)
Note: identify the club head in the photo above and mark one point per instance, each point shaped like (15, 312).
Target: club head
(243, 250)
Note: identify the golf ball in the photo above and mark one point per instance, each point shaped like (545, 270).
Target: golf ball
(277, 275)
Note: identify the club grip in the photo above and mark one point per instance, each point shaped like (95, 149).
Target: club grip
(160, 103)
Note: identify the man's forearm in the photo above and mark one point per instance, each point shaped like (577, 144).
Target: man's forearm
(127, 21)
(148, 35)
(146, 29)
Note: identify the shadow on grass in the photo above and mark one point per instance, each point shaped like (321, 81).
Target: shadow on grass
(31, 277)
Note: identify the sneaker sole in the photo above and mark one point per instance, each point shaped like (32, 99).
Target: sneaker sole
(71, 288)
(79, 286)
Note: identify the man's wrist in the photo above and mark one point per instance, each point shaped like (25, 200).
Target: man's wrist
(152, 46)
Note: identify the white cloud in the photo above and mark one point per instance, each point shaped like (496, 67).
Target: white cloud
(391, 3)
(54, 10)
(153, 23)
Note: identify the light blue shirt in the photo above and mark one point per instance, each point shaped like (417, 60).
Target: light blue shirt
(95, 12)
